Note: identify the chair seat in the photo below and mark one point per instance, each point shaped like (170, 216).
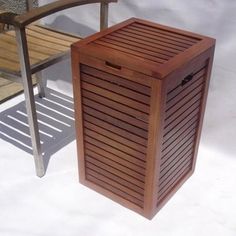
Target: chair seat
(44, 44)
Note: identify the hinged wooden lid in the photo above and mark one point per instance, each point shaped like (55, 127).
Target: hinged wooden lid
(146, 47)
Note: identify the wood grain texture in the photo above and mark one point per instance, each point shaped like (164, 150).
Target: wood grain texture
(78, 113)
(43, 44)
(143, 89)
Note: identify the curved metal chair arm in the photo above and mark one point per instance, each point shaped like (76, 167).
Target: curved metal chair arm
(23, 20)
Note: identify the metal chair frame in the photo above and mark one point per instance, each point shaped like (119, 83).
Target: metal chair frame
(20, 22)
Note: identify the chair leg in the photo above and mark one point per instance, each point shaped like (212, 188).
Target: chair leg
(40, 84)
(104, 15)
(2, 26)
(29, 5)
(29, 100)
(34, 130)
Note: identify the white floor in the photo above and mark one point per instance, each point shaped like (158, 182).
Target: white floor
(58, 205)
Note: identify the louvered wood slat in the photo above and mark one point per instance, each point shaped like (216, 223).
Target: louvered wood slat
(180, 130)
(172, 121)
(112, 181)
(116, 177)
(196, 77)
(148, 49)
(116, 122)
(180, 139)
(131, 163)
(163, 51)
(108, 44)
(117, 106)
(114, 113)
(118, 138)
(114, 151)
(140, 91)
(138, 51)
(123, 133)
(195, 87)
(141, 40)
(115, 144)
(182, 145)
(116, 88)
(151, 41)
(177, 127)
(159, 40)
(165, 31)
(174, 178)
(131, 178)
(122, 147)
(177, 156)
(106, 164)
(159, 34)
(186, 102)
(103, 183)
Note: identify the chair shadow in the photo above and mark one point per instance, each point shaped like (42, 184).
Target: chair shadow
(55, 112)
(66, 24)
(55, 115)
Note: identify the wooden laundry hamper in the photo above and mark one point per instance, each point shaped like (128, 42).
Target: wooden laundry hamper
(140, 92)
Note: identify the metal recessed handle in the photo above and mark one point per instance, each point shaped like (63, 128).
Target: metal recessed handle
(112, 65)
(187, 79)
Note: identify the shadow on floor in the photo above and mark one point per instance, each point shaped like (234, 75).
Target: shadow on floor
(56, 124)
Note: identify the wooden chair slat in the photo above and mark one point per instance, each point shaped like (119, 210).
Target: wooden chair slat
(46, 38)
(54, 34)
(8, 65)
(12, 57)
(33, 54)
(43, 44)
(32, 46)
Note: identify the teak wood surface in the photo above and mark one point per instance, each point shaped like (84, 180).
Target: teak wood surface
(140, 92)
